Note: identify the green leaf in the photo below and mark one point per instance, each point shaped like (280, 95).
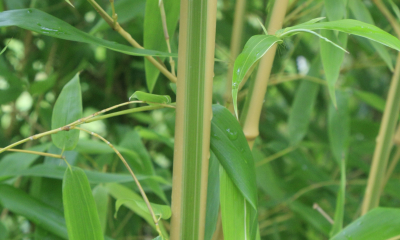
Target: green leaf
(377, 224)
(162, 211)
(153, 33)
(3, 231)
(230, 147)
(15, 162)
(339, 127)
(212, 208)
(41, 214)
(395, 8)
(94, 177)
(371, 99)
(151, 98)
(349, 26)
(255, 48)
(340, 201)
(80, 209)
(303, 104)
(15, 87)
(70, 3)
(233, 209)
(332, 59)
(5, 48)
(361, 13)
(42, 87)
(100, 195)
(43, 23)
(126, 10)
(67, 109)
(119, 191)
(335, 9)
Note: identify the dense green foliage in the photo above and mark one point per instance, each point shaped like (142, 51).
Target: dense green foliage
(318, 127)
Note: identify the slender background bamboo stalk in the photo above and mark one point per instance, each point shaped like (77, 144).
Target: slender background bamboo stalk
(193, 118)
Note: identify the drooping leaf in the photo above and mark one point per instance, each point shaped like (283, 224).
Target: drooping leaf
(349, 26)
(153, 33)
(43, 23)
(151, 98)
(67, 109)
(232, 151)
(212, 208)
(332, 59)
(303, 104)
(361, 13)
(339, 127)
(101, 199)
(162, 211)
(255, 48)
(80, 209)
(41, 214)
(126, 10)
(378, 224)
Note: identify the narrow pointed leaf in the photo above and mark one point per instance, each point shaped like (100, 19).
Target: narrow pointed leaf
(101, 199)
(335, 9)
(43, 23)
(361, 13)
(255, 48)
(377, 224)
(79, 207)
(349, 26)
(213, 193)
(162, 211)
(43, 215)
(332, 59)
(67, 109)
(230, 147)
(303, 104)
(5, 48)
(340, 200)
(153, 33)
(151, 98)
(371, 99)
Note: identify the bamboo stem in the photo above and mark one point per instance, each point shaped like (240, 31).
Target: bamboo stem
(144, 196)
(193, 118)
(129, 38)
(252, 118)
(384, 141)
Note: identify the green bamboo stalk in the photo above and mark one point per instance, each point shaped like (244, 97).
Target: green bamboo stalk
(193, 118)
(384, 144)
(252, 118)
(236, 43)
(384, 141)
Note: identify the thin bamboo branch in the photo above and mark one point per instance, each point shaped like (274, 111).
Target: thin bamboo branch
(129, 38)
(252, 118)
(276, 156)
(35, 152)
(323, 213)
(166, 35)
(144, 196)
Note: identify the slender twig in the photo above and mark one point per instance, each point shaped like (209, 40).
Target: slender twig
(275, 156)
(323, 213)
(278, 219)
(129, 38)
(146, 200)
(166, 35)
(114, 15)
(35, 152)
(296, 11)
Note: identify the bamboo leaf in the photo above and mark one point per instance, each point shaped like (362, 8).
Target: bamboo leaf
(80, 209)
(349, 26)
(151, 98)
(377, 224)
(70, 3)
(41, 214)
(230, 147)
(335, 9)
(255, 48)
(5, 48)
(332, 59)
(303, 104)
(371, 99)
(153, 33)
(213, 193)
(361, 13)
(43, 23)
(67, 109)
(162, 211)
(339, 127)
(100, 196)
